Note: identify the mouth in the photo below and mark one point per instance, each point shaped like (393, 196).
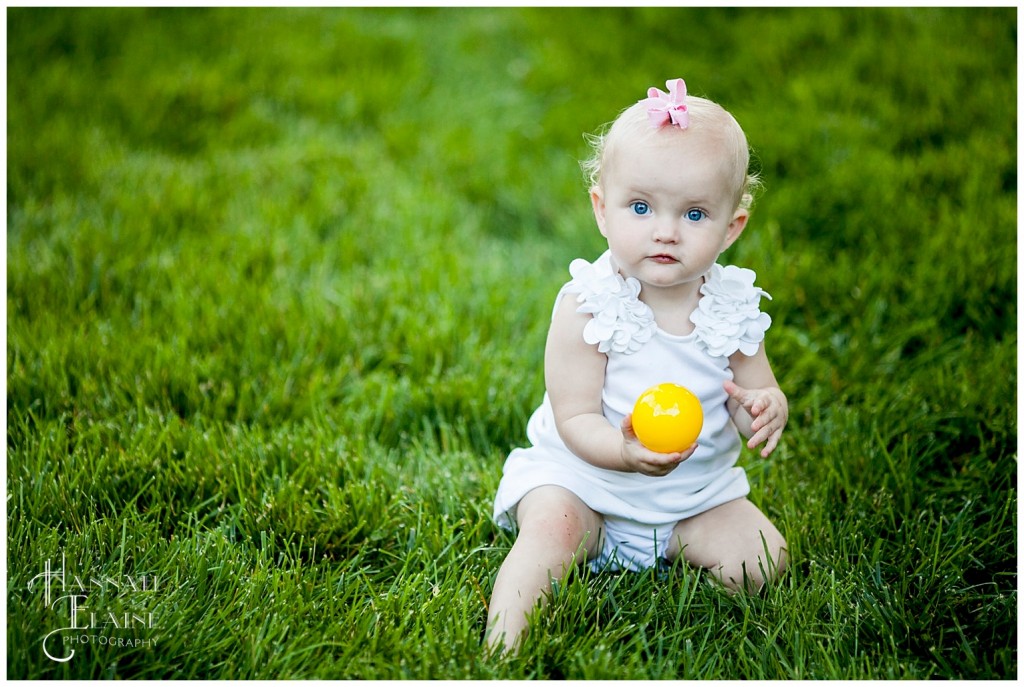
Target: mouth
(663, 259)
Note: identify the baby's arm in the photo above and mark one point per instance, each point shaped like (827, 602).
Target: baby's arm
(574, 375)
(756, 403)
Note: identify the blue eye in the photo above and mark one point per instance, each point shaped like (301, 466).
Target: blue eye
(695, 215)
(640, 208)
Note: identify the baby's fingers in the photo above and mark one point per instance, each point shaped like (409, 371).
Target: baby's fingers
(737, 393)
(660, 464)
(771, 444)
(627, 426)
(764, 416)
(769, 436)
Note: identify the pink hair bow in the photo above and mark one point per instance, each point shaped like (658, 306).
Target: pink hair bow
(664, 108)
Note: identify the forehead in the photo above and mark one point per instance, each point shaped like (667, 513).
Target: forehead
(694, 164)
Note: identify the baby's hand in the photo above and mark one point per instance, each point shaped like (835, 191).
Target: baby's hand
(768, 411)
(639, 458)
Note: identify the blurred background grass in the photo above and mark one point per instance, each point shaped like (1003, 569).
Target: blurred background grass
(277, 291)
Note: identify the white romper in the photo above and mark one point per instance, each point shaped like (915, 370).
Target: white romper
(640, 511)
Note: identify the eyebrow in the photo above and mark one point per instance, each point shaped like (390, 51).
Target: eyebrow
(634, 191)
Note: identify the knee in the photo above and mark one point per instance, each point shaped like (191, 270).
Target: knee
(561, 523)
(762, 563)
(561, 529)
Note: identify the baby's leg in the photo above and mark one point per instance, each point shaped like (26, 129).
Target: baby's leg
(555, 528)
(727, 540)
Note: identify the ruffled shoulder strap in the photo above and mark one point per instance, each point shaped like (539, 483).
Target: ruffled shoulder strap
(728, 316)
(621, 322)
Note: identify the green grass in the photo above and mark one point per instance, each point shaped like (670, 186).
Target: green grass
(277, 290)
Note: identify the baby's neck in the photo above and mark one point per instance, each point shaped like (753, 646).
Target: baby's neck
(672, 307)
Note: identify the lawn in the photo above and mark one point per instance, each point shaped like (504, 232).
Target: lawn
(277, 292)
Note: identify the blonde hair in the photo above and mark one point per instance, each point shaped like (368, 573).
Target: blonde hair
(707, 118)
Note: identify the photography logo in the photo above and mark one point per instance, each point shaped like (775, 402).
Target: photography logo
(104, 610)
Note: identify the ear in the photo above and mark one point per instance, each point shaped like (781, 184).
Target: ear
(597, 201)
(736, 226)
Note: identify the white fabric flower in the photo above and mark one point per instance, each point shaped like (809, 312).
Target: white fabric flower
(621, 322)
(728, 318)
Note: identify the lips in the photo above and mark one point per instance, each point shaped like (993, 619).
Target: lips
(663, 259)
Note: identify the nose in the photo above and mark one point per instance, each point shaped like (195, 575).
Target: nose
(666, 231)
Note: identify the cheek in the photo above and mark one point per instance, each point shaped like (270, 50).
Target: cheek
(621, 230)
(613, 225)
(712, 243)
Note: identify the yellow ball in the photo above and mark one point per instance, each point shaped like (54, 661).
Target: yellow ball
(667, 418)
